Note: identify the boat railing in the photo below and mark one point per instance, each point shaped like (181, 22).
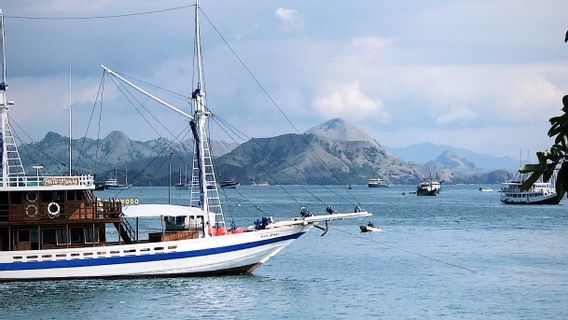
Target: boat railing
(49, 181)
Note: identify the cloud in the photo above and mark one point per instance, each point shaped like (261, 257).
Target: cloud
(371, 43)
(457, 114)
(348, 100)
(290, 19)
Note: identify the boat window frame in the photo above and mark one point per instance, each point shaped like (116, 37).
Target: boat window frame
(92, 233)
(61, 232)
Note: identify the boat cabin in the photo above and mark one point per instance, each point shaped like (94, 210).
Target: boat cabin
(54, 212)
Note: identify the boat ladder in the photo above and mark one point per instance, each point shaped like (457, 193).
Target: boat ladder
(212, 189)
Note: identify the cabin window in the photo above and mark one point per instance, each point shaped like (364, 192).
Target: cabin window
(24, 235)
(91, 235)
(61, 235)
(48, 236)
(77, 235)
(174, 223)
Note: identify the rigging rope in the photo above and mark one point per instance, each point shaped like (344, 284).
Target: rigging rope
(101, 17)
(405, 250)
(275, 104)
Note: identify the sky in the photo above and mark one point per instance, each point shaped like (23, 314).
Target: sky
(480, 75)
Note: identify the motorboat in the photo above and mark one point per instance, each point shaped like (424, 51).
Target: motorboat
(370, 227)
(428, 187)
(377, 183)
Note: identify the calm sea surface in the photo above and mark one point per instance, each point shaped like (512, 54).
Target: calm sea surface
(461, 255)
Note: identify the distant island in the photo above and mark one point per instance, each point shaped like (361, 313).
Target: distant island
(334, 152)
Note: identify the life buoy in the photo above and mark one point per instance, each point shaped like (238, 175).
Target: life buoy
(50, 209)
(32, 196)
(31, 210)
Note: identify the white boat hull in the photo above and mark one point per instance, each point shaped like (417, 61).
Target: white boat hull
(230, 254)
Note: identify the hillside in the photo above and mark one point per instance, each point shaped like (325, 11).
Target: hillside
(334, 152)
(424, 152)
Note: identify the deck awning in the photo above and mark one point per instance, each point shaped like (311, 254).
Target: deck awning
(157, 210)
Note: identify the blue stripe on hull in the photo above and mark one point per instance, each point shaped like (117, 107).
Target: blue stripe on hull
(35, 265)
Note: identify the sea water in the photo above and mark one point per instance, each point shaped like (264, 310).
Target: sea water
(460, 255)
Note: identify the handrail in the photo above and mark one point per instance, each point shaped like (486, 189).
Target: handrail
(49, 181)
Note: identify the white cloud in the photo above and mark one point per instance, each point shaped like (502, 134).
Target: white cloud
(348, 101)
(456, 114)
(290, 19)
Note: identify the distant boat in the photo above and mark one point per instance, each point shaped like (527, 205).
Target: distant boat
(428, 187)
(370, 227)
(377, 183)
(229, 184)
(112, 183)
(260, 184)
(485, 189)
(182, 185)
(99, 185)
(539, 193)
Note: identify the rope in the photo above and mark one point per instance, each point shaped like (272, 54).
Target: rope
(100, 17)
(405, 250)
(275, 104)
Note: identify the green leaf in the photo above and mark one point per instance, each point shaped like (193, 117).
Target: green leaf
(562, 180)
(548, 174)
(532, 168)
(530, 181)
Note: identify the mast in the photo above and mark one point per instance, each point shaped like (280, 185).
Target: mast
(4, 106)
(70, 127)
(203, 173)
(11, 161)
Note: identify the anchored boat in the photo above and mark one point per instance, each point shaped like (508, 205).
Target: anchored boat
(377, 183)
(428, 187)
(538, 193)
(53, 227)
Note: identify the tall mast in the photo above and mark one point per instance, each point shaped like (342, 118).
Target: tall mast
(203, 171)
(11, 161)
(4, 106)
(70, 127)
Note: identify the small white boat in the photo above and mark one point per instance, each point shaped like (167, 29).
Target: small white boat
(485, 189)
(377, 183)
(370, 227)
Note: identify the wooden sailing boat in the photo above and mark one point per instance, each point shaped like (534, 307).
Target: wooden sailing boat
(69, 223)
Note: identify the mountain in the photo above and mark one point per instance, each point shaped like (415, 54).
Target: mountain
(451, 161)
(427, 151)
(333, 152)
(339, 129)
(147, 162)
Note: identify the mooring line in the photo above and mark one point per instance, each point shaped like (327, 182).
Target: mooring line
(407, 251)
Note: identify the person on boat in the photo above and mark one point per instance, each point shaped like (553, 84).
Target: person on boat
(329, 210)
(304, 212)
(370, 224)
(357, 209)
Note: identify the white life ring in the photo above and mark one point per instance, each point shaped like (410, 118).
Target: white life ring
(53, 213)
(32, 196)
(31, 210)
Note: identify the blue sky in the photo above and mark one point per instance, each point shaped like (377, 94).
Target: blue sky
(481, 75)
